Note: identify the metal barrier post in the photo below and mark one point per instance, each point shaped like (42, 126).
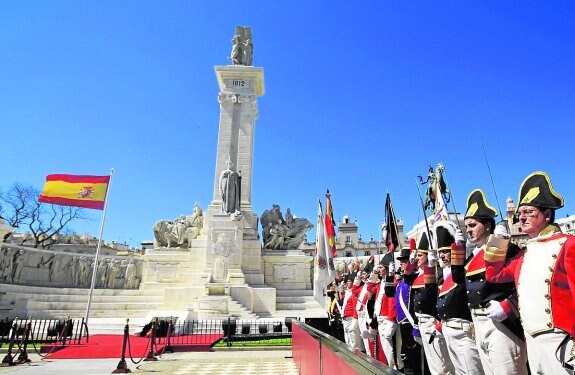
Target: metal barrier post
(23, 357)
(122, 367)
(228, 333)
(151, 356)
(67, 324)
(8, 359)
(169, 345)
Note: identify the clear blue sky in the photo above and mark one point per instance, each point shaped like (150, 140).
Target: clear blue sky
(360, 98)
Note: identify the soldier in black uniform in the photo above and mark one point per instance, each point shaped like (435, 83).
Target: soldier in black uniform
(456, 325)
(425, 290)
(498, 331)
(411, 350)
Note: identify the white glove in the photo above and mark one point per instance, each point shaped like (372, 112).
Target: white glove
(412, 257)
(391, 267)
(497, 313)
(459, 238)
(502, 229)
(432, 258)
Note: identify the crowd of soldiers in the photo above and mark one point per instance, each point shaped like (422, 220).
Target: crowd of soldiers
(500, 310)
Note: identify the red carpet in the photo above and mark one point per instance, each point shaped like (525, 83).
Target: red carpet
(110, 346)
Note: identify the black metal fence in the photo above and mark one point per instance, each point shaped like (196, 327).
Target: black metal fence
(198, 332)
(70, 331)
(186, 332)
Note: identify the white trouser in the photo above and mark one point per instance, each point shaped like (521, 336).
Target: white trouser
(362, 318)
(385, 326)
(459, 337)
(351, 332)
(500, 350)
(436, 352)
(541, 351)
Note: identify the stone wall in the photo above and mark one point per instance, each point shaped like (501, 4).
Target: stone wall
(35, 267)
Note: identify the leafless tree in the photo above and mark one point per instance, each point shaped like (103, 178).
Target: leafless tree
(20, 209)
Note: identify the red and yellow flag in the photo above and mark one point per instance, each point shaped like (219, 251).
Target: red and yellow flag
(72, 190)
(329, 225)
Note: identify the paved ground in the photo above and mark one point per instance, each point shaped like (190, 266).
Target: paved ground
(253, 362)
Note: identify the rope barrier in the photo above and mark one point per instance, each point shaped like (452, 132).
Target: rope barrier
(168, 345)
(130, 352)
(61, 337)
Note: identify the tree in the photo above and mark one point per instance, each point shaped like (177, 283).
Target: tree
(20, 209)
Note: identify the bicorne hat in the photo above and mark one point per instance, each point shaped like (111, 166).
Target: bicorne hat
(444, 233)
(423, 243)
(536, 190)
(477, 206)
(406, 250)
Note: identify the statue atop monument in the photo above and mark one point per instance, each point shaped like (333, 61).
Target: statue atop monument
(229, 187)
(242, 49)
(280, 234)
(436, 186)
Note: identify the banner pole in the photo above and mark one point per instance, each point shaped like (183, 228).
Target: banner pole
(95, 268)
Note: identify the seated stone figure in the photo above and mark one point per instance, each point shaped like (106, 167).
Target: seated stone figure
(280, 234)
(179, 232)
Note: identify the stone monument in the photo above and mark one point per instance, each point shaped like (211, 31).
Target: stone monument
(208, 270)
(210, 264)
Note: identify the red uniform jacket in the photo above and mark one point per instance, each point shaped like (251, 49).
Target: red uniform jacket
(544, 274)
(349, 307)
(387, 303)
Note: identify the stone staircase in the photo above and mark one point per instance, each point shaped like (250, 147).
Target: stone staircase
(46, 303)
(297, 303)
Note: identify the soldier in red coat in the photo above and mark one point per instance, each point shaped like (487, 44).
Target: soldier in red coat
(544, 273)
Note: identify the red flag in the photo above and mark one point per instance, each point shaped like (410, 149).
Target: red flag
(329, 225)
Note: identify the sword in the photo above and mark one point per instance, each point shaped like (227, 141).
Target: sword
(488, 168)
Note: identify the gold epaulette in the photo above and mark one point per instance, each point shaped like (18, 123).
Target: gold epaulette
(493, 254)
(458, 255)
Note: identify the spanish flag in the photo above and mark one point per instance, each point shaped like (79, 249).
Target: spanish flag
(329, 225)
(72, 190)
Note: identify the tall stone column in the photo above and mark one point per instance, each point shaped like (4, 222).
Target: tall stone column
(239, 88)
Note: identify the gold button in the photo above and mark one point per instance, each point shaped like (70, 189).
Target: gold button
(548, 311)
(549, 325)
(547, 296)
(550, 268)
(547, 281)
(554, 256)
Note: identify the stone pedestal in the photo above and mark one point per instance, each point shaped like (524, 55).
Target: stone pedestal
(288, 269)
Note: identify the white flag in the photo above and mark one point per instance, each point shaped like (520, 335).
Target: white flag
(440, 207)
(321, 275)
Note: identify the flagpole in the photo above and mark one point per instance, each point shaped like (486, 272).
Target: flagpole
(424, 215)
(95, 268)
(451, 198)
